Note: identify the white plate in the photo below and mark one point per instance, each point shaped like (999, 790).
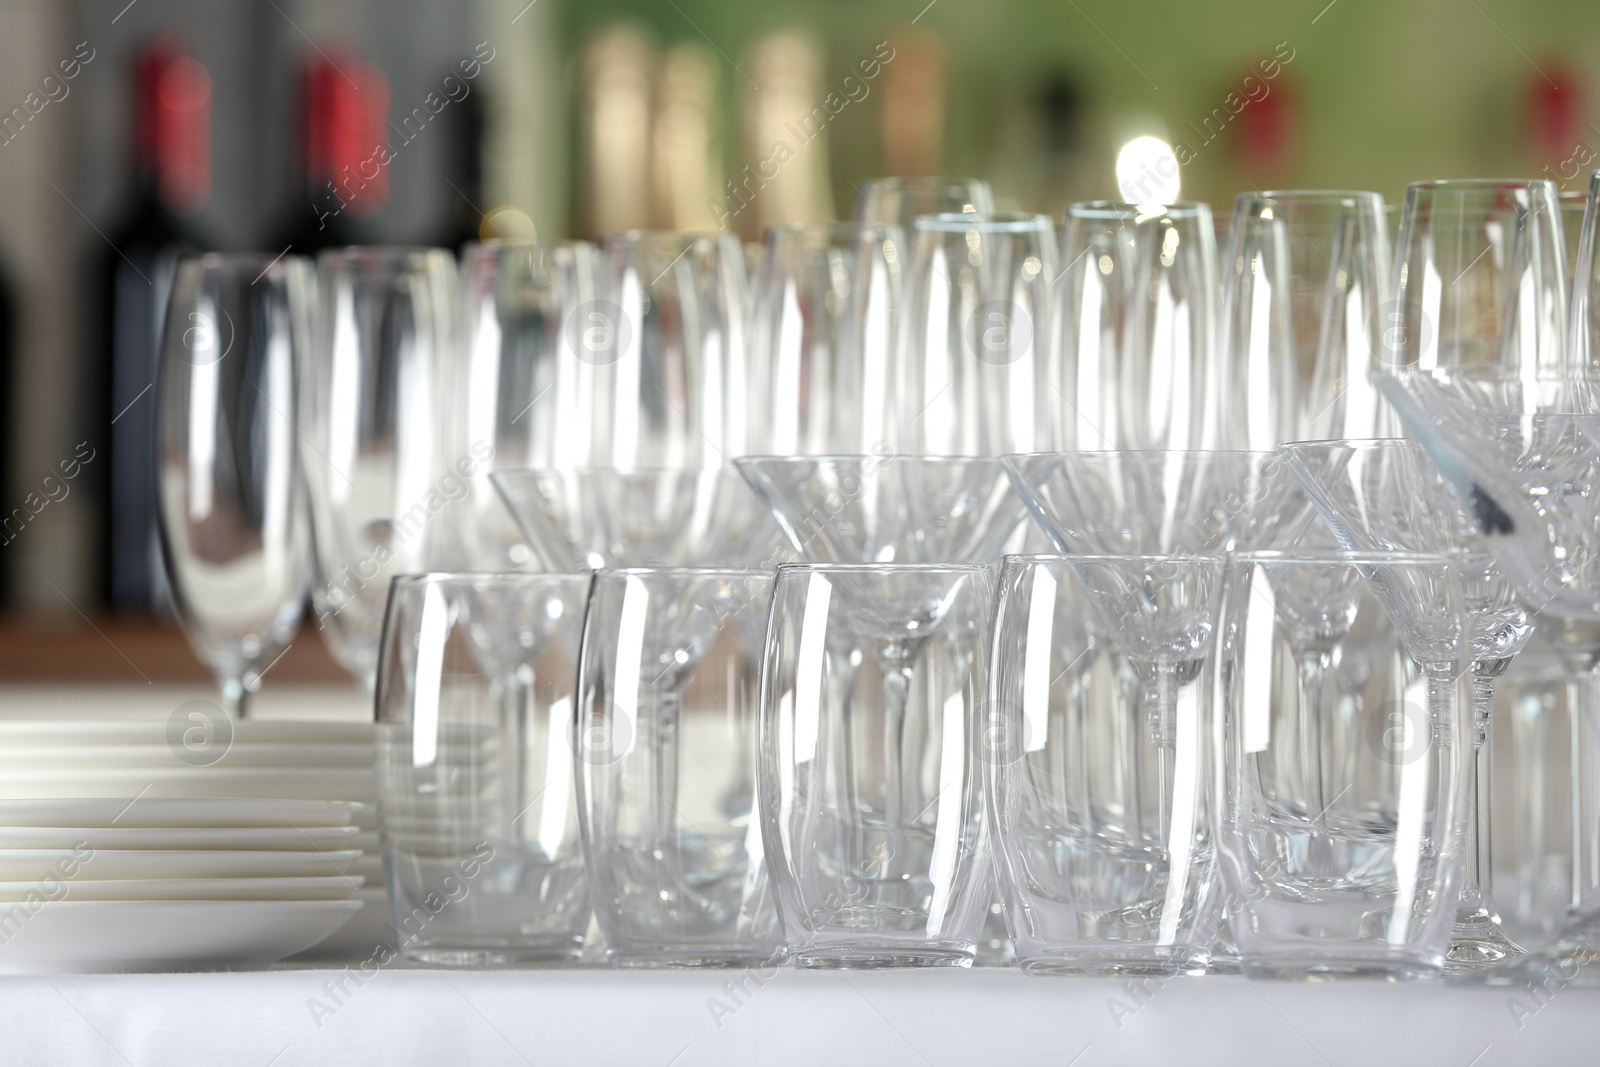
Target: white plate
(314, 784)
(155, 756)
(333, 887)
(111, 731)
(360, 939)
(152, 935)
(91, 864)
(249, 838)
(132, 810)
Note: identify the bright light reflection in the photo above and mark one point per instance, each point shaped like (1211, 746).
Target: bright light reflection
(1147, 171)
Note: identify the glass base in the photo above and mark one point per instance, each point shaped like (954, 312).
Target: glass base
(881, 957)
(1047, 966)
(1572, 960)
(1478, 944)
(1301, 969)
(492, 955)
(691, 957)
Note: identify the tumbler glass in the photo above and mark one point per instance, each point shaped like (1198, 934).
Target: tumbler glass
(871, 810)
(1346, 688)
(1101, 806)
(476, 800)
(667, 768)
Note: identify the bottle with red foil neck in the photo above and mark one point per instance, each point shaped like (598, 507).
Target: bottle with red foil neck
(343, 158)
(171, 142)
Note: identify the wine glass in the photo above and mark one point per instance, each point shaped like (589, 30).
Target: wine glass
(384, 473)
(1583, 314)
(897, 201)
(1387, 495)
(1574, 211)
(230, 505)
(973, 358)
(530, 333)
(1135, 349)
(822, 334)
(1302, 280)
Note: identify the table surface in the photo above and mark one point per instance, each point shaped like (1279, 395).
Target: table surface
(360, 1012)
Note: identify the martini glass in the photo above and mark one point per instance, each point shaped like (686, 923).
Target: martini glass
(1387, 495)
(589, 518)
(1523, 455)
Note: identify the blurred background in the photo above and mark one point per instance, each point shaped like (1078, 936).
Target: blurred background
(129, 129)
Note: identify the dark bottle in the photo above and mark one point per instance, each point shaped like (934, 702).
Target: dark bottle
(172, 182)
(343, 159)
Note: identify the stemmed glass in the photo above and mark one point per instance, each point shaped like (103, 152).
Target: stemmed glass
(826, 308)
(383, 469)
(1302, 280)
(531, 337)
(1523, 456)
(973, 361)
(897, 201)
(1387, 495)
(1134, 350)
(230, 504)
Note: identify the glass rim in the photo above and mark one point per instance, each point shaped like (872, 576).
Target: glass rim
(666, 571)
(420, 579)
(1125, 211)
(1469, 184)
(1352, 557)
(1096, 452)
(826, 226)
(380, 253)
(985, 222)
(799, 566)
(211, 261)
(1011, 558)
(640, 237)
(1350, 442)
(1314, 196)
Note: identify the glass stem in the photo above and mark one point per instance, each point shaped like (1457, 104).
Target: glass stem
(1161, 714)
(1477, 869)
(235, 696)
(896, 695)
(1585, 791)
(665, 766)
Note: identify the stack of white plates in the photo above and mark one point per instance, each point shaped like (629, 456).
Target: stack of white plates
(265, 824)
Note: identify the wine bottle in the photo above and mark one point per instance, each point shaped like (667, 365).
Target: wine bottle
(172, 182)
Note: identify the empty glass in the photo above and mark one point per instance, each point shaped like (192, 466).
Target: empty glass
(1101, 806)
(871, 810)
(1135, 352)
(1342, 819)
(667, 768)
(476, 800)
(230, 504)
(897, 201)
(383, 472)
(973, 374)
(1583, 319)
(822, 334)
(1300, 324)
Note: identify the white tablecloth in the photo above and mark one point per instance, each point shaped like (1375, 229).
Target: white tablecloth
(656, 1019)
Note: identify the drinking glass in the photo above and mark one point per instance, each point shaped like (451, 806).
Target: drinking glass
(973, 370)
(1341, 827)
(529, 353)
(822, 337)
(897, 201)
(667, 768)
(383, 470)
(669, 333)
(1480, 278)
(871, 811)
(1574, 215)
(1387, 495)
(1135, 351)
(476, 800)
(1101, 817)
(1303, 278)
(1583, 319)
(231, 510)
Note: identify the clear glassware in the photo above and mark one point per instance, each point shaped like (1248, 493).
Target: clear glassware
(1574, 213)
(897, 201)
(1342, 824)
(973, 375)
(1135, 346)
(667, 769)
(1302, 282)
(1386, 495)
(477, 805)
(592, 517)
(1480, 279)
(1583, 312)
(822, 336)
(531, 334)
(231, 506)
(1101, 818)
(1523, 455)
(869, 791)
(670, 334)
(887, 508)
(383, 471)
